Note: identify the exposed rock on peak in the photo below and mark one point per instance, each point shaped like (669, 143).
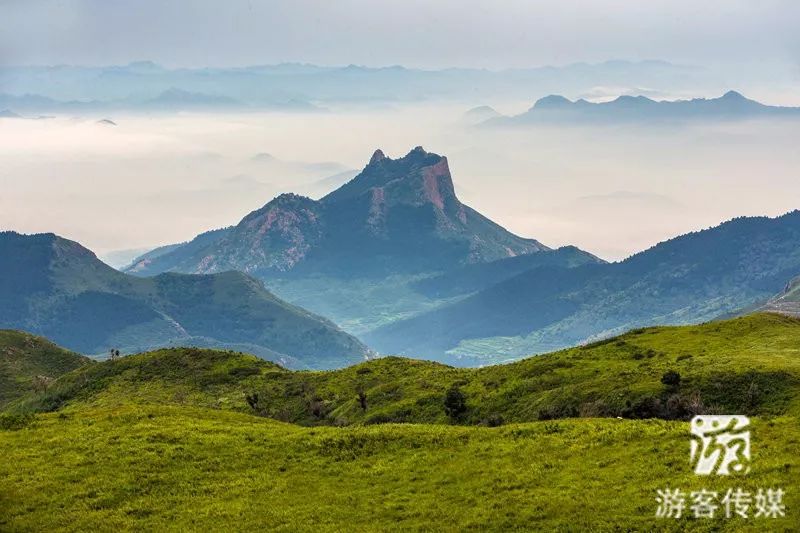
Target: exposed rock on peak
(377, 156)
(397, 215)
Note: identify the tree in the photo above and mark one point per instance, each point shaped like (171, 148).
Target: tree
(252, 401)
(362, 399)
(455, 402)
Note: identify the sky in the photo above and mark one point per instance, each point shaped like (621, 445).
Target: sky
(156, 180)
(415, 33)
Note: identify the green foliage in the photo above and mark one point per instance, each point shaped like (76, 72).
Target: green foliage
(15, 421)
(671, 379)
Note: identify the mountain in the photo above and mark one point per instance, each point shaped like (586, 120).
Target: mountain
(7, 113)
(558, 109)
(474, 277)
(396, 216)
(54, 287)
(28, 362)
(688, 279)
(479, 114)
(178, 99)
(294, 85)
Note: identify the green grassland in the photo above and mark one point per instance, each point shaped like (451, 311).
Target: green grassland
(23, 357)
(189, 439)
(185, 468)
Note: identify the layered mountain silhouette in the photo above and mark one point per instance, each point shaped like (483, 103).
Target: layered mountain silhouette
(396, 216)
(691, 278)
(55, 287)
(558, 109)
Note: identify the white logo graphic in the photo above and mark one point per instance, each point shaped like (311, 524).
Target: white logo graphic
(720, 444)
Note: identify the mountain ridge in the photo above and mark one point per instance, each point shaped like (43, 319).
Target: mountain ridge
(626, 108)
(694, 277)
(58, 288)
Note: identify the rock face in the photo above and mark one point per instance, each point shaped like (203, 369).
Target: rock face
(787, 302)
(397, 215)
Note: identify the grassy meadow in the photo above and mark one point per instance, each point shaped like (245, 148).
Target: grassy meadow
(188, 439)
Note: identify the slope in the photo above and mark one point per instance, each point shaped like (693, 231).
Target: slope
(28, 361)
(748, 365)
(691, 278)
(57, 288)
(396, 216)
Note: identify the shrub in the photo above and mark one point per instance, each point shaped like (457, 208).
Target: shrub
(455, 403)
(671, 379)
(15, 422)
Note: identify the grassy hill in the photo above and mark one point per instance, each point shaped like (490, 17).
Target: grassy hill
(24, 357)
(748, 365)
(168, 440)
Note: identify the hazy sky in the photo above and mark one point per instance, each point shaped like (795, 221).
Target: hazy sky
(419, 33)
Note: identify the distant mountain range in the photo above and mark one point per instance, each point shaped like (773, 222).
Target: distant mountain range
(301, 86)
(558, 109)
(691, 278)
(54, 287)
(396, 216)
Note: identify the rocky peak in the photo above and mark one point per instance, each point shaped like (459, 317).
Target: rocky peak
(377, 157)
(410, 176)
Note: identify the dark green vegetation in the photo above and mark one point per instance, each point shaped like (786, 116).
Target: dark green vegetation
(56, 288)
(28, 362)
(168, 440)
(691, 278)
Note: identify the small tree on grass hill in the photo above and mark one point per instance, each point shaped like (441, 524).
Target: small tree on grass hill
(362, 398)
(455, 403)
(671, 379)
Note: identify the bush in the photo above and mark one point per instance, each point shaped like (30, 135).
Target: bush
(671, 379)
(15, 422)
(455, 403)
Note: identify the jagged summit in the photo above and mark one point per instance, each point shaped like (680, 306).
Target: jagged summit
(396, 215)
(417, 177)
(377, 156)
